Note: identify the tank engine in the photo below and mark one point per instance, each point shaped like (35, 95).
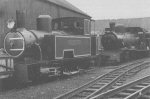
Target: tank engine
(123, 40)
(65, 47)
(129, 37)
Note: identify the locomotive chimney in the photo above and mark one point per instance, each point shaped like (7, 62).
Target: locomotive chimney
(20, 19)
(44, 23)
(112, 26)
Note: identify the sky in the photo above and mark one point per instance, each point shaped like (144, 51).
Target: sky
(114, 9)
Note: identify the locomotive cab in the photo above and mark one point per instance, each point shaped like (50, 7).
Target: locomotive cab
(72, 25)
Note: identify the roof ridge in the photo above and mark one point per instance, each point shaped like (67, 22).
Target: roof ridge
(68, 5)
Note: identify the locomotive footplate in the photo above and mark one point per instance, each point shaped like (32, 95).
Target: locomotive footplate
(68, 66)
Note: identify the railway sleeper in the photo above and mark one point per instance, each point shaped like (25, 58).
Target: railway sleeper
(144, 84)
(97, 86)
(119, 83)
(114, 75)
(118, 73)
(130, 90)
(124, 94)
(127, 75)
(137, 70)
(89, 90)
(111, 77)
(120, 96)
(104, 81)
(111, 88)
(141, 85)
(78, 96)
(132, 72)
(122, 70)
(122, 79)
(115, 86)
(107, 79)
(124, 76)
(136, 87)
(84, 93)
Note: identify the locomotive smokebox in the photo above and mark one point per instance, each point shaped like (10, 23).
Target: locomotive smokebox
(44, 23)
(110, 41)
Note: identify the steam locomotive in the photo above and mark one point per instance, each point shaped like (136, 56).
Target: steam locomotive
(122, 43)
(58, 46)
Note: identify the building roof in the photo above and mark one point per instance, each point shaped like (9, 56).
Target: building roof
(67, 5)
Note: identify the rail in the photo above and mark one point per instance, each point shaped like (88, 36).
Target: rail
(106, 81)
(134, 90)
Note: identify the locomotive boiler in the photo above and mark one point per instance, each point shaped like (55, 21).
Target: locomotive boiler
(65, 47)
(129, 37)
(24, 43)
(128, 42)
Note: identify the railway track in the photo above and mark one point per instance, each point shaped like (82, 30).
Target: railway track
(139, 89)
(109, 81)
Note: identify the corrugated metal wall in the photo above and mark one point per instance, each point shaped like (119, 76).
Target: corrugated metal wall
(32, 9)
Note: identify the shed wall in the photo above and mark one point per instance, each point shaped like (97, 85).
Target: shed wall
(31, 9)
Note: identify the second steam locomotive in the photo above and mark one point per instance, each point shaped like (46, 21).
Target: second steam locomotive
(122, 43)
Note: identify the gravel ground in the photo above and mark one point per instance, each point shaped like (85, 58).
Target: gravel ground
(54, 87)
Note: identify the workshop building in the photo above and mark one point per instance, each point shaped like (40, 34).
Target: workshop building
(28, 10)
